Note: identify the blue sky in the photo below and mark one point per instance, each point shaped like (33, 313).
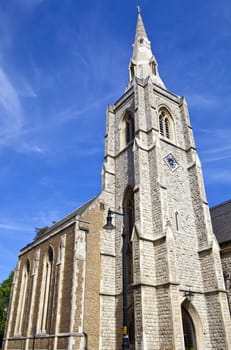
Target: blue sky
(62, 62)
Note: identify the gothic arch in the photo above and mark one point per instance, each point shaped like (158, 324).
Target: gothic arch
(166, 123)
(192, 327)
(127, 128)
(132, 70)
(45, 293)
(23, 296)
(153, 66)
(50, 253)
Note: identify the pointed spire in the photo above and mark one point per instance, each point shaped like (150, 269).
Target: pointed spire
(140, 30)
(143, 62)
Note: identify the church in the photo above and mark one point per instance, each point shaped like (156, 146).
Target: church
(137, 267)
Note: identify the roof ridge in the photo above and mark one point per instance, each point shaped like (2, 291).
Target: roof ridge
(78, 211)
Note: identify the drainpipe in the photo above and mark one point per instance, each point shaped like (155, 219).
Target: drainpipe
(86, 340)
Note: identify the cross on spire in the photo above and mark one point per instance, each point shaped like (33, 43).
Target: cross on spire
(138, 9)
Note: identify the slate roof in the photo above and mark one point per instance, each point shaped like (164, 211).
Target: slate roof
(221, 220)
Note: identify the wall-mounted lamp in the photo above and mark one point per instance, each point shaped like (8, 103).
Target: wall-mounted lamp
(189, 295)
(109, 225)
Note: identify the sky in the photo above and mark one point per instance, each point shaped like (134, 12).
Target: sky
(62, 62)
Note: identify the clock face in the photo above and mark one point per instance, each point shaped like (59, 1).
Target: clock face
(171, 161)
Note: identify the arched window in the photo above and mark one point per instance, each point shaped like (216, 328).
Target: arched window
(166, 124)
(127, 129)
(153, 67)
(189, 331)
(45, 295)
(22, 297)
(50, 255)
(132, 71)
(130, 128)
(161, 125)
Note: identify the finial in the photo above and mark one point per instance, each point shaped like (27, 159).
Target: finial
(138, 9)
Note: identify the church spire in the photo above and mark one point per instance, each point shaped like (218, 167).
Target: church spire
(140, 30)
(143, 62)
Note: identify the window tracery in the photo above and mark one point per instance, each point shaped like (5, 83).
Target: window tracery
(166, 124)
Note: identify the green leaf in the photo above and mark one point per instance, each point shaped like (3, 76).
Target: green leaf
(5, 288)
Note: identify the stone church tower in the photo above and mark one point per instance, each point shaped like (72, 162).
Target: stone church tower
(152, 171)
(67, 291)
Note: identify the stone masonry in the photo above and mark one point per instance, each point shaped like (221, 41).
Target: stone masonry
(67, 290)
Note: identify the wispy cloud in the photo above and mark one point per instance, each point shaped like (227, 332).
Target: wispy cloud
(74, 112)
(216, 155)
(11, 116)
(218, 176)
(90, 151)
(14, 227)
(45, 218)
(30, 4)
(201, 101)
(27, 148)
(26, 89)
(220, 149)
(215, 144)
(218, 158)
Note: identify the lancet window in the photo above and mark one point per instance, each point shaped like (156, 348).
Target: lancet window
(22, 297)
(153, 67)
(127, 129)
(45, 290)
(132, 71)
(130, 128)
(189, 331)
(166, 124)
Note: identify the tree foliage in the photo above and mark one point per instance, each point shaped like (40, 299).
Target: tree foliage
(5, 288)
(39, 231)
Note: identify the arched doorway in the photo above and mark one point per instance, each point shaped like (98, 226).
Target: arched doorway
(189, 331)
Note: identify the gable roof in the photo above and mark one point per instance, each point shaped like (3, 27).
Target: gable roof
(221, 221)
(78, 211)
